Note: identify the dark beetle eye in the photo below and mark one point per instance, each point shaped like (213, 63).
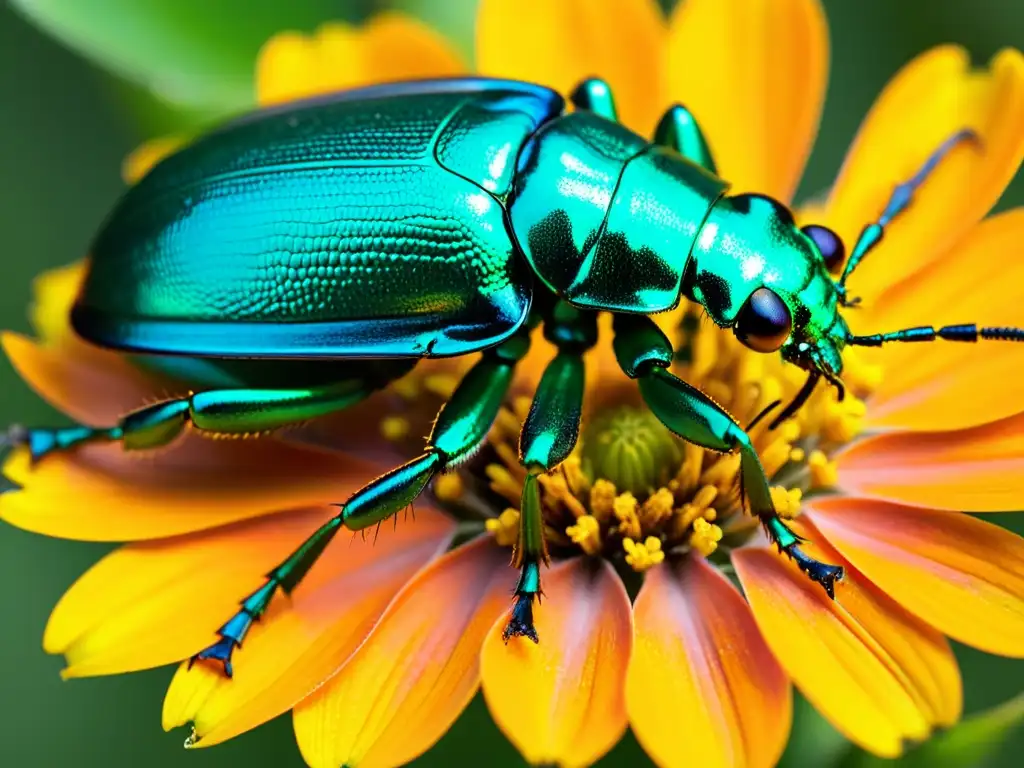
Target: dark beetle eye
(829, 244)
(764, 322)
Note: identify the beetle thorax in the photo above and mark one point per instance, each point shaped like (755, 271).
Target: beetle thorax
(605, 219)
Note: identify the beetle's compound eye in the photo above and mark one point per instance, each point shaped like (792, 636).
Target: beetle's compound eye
(764, 322)
(829, 244)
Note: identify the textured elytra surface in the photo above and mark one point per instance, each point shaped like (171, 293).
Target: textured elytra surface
(333, 211)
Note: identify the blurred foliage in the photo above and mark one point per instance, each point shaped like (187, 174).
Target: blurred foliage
(191, 52)
(160, 65)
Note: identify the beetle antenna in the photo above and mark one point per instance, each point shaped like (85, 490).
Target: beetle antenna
(798, 402)
(969, 332)
(764, 412)
(899, 201)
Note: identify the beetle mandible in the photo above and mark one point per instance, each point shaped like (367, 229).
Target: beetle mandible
(294, 261)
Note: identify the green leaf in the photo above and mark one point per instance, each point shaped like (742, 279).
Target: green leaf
(189, 52)
(966, 745)
(813, 741)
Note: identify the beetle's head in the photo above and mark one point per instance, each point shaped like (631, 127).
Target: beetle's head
(754, 270)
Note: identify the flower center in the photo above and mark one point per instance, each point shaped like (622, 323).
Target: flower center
(633, 492)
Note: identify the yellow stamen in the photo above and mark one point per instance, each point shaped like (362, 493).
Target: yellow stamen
(625, 509)
(394, 428)
(503, 483)
(705, 536)
(640, 557)
(441, 384)
(797, 455)
(786, 501)
(824, 473)
(407, 387)
(698, 508)
(505, 528)
(657, 508)
(448, 487)
(689, 472)
(586, 533)
(507, 425)
(557, 493)
(843, 421)
(602, 499)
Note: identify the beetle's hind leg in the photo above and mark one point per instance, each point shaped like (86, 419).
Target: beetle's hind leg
(461, 425)
(548, 436)
(230, 412)
(644, 354)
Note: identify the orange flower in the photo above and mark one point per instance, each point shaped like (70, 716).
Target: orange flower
(381, 648)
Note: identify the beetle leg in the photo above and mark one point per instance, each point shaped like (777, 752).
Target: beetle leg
(595, 95)
(644, 354)
(548, 436)
(460, 427)
(678, 129)
(237, 412)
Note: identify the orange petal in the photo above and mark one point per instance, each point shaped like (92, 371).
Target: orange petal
(932, 98)
(91, 385)
(115, 618)
(753, 72)
(877, 673)
(562, 700)
(702, 687)
(391, 46)
(417, 670)
(559, 43)
(300, 643)
(949, 386)
(979, 469)
(100, 493)
(962, 575)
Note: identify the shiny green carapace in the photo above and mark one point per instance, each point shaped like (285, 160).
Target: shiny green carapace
(292, 262)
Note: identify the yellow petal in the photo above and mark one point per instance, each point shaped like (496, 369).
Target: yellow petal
(390, 47)
(878, 674)
(417, 670)
(101, 493)
(947, 385)
(753, 72)
(562, 700)
(962, 575)
(979, 469)
(53, 293)
(932, 98)
(146, 156)
(116, 617)
(301, 641)
(702, 687)
(559, 43)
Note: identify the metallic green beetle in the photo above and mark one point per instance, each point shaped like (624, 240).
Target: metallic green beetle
(292, 262)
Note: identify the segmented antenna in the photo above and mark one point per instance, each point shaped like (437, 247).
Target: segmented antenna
(969, 332)
(901, 198)
(798, 402)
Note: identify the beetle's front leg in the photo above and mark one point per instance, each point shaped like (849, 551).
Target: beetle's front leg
(644, 354)
(679, 130)
(461, 425)
(595, 95)
(548, 436)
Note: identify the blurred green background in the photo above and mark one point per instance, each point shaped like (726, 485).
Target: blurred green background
(65, 127)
